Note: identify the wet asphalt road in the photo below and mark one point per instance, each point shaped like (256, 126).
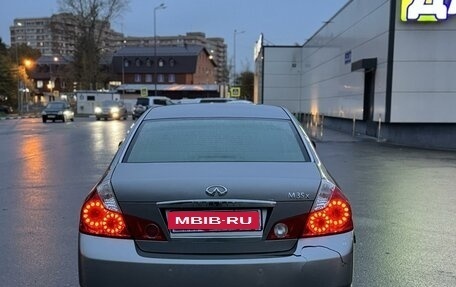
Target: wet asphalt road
(404, 201)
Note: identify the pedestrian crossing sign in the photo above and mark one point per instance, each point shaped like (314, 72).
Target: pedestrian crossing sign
(235, 92)
(144, 92)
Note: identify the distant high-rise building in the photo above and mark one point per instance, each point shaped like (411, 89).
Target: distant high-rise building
(56, 35)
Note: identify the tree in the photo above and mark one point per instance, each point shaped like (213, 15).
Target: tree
(21, 53)
(245, 80)
(92, 18)
(18, 54)
(8, 85)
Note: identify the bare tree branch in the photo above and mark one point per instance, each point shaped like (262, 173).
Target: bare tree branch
(93, 18)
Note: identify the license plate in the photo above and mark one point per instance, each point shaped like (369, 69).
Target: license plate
(214, 220)
(51, 116)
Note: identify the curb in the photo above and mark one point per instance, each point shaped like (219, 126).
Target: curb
(19, 117)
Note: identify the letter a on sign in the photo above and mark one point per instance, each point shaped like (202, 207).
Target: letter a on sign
(425, 10)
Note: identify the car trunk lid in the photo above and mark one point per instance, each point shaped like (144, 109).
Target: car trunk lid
(271, 191)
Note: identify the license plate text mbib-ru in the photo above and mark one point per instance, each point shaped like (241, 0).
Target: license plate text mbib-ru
(214, 220)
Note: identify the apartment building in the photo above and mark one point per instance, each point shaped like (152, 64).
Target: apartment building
(56, 35)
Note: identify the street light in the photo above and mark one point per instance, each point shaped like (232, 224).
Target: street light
(18, 82)
(161, 6)
(28, 64)
(234, 54)
(51, 84)
(18, 78)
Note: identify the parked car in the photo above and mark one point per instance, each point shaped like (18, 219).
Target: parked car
(226, 195)
(6, 109)
(216, 100)
(188, 101)
(143, 103)
(111, 109)
(212, 100)
(57, 110)
(240, 102)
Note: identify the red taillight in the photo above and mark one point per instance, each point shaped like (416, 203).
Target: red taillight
(335, 218)
(97, 220)
(332, 215)
(105, 219)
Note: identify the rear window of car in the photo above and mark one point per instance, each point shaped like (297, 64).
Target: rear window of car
(219, 140)
(142, 101)
(160, 102)
(55, 105)
(221, 100)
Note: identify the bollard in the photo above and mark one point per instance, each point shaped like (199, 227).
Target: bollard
(379, 127)
(354, 126)
(322, 126)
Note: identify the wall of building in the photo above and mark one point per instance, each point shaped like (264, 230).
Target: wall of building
(205, 73)
(414, 90)
(424, 86)
(358, 31)
(282, 77)
(322, 81)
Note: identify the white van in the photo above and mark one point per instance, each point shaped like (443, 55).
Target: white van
(143, 103)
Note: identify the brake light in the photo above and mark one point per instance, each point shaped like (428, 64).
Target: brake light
(330, 214)
(102, 216)
(96, 219)
(335, 217)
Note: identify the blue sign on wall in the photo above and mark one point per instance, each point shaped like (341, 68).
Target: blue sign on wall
(348, 57)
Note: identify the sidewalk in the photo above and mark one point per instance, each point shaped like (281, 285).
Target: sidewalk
(320, 134)
(17, 116)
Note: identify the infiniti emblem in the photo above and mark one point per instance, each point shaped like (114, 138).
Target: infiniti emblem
(219, 190)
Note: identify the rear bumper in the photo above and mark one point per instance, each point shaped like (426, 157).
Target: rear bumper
(325, 261)
(52, 117)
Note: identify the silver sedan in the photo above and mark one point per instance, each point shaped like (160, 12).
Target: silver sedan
(216, 195)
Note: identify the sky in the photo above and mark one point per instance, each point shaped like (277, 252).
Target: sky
(284, 22)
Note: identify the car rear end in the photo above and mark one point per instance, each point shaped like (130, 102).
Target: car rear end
(207, 212)
(142, 104)
(53, 111)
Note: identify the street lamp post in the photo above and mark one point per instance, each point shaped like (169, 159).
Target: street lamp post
(19, 107)
(51, 83)
(234, 54)
(27, 65)
(161, 6)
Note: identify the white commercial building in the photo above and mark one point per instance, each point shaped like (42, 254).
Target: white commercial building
(387, 61)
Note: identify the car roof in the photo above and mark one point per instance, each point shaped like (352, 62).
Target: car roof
(154, 97)
(219, 99)
(217, 111)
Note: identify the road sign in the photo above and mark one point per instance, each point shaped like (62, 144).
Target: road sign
(235, 92)
(144, 92)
